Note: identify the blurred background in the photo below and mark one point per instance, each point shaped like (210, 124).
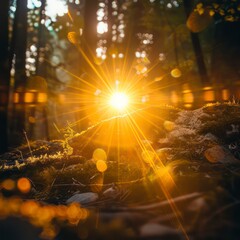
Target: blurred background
(60, 59)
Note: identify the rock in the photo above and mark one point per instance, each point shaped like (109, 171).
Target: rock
(83, 198)
(149, 230)
(220, 154)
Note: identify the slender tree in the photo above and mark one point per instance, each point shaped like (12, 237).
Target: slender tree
(225, 57)
(188, 5)
(90, 32)
(4, 74)
(20, 45)
(18, 54)
(40, 36)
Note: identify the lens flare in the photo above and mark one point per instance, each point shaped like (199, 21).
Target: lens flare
(119, 101)
(24, 185)
(101, 166)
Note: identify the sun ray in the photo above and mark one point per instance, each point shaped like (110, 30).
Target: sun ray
(106, 84)
(129, 122)
(162, 184)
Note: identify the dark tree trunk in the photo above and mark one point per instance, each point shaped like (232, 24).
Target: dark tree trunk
(40, 71)
(4, 74)
(18, 52)
(89, 35)
(197, 47)
(226, 54)
(20, 45)
(133, 27)
(87, 49)
(40, 44)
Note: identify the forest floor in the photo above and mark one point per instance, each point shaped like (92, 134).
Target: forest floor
(182, 181)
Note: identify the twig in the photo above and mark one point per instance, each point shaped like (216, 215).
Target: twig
(96, 184)
(57, 175)
(70, 185)
(21, 155)
(163, 203)
(25, 134)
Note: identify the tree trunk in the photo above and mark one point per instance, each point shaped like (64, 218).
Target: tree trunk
(197, 47)
(20, 31)
(4, 74)
(89, 35)
(18, 51)
(226, 53)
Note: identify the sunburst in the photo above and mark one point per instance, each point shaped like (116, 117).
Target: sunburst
(117, 118)
(119, 101)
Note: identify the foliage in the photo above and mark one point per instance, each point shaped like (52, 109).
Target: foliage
(222, 10)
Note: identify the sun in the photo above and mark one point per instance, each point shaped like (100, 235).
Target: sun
(119, 101)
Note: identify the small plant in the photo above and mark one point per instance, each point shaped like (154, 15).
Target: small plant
(68, 134)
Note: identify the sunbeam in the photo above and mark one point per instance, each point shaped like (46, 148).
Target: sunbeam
(111, 102)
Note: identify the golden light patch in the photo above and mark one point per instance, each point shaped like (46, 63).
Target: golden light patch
(176, 73)
(32, 119)
(29, 208)
(99, 154)
(73, 211)
(169, 126)
(148, 156)
(24, 185)
(101, 166)
(200, 19)
(8, 184)
(165, 176)
(72, 37)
